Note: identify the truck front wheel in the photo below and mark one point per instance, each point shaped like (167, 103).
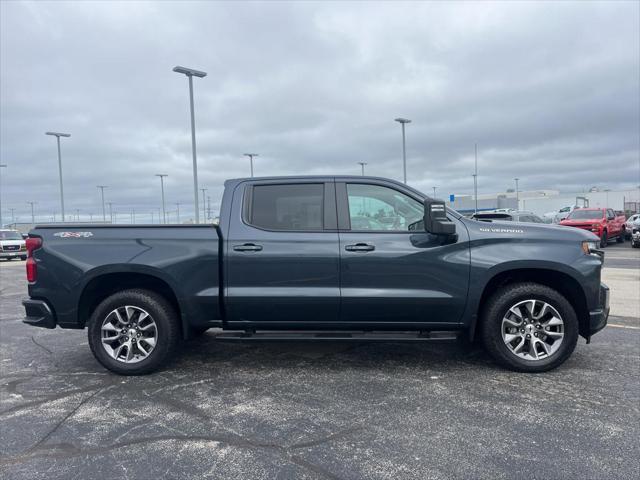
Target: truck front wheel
(133, 332)
(528, 327)
(604, 239)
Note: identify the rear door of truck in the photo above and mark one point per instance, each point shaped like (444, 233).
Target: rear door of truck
(282, 253)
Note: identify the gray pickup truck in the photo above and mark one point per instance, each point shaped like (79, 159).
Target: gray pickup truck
(320, 258)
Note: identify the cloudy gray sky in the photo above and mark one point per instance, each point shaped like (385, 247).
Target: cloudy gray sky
(550, 91)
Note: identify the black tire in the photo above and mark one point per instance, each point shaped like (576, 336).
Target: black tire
(23, 258)
(620, 238)
(604, 239)
(496, 308)
(168, 331)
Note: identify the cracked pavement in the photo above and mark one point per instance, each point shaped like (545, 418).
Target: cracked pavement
(313, 411)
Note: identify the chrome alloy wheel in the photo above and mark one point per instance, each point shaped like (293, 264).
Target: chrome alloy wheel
(129, 334)
(532, 330)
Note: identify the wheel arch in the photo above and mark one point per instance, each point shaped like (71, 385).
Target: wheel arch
(104, 284)
(562, 282)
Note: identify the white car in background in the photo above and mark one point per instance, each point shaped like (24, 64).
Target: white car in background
(558, 215)
(12, 245)
(633, 220)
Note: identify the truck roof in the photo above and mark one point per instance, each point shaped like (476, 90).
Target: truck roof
(339, 178)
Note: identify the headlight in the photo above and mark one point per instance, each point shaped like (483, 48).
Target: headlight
(590, 247)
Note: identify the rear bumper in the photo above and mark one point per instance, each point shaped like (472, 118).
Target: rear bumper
(598, 318)
(38, 314)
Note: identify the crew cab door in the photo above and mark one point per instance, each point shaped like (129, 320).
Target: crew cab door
(390, 274)
(282, 253)
(614, 224)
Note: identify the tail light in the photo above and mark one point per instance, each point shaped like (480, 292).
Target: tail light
(33, 243)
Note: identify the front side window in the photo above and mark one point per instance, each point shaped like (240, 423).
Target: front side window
(287, 207)
(374, 207)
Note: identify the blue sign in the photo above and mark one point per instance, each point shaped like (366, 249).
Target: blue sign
(452, 198)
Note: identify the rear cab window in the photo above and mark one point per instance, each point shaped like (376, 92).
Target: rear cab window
(286, 207)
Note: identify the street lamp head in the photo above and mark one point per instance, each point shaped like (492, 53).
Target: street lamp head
(250, 154)
(58, 134)
(162, 174)
(190, 72)
(402, 120)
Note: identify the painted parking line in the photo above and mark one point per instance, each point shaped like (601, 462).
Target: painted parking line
(615, 325)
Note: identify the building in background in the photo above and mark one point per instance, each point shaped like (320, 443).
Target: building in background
(544, 201)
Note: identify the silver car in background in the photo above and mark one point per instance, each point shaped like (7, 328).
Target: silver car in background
(632, 221)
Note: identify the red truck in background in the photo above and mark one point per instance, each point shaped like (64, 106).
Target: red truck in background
(604, 222)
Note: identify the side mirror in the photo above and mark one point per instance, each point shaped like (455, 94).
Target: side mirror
(435, 218)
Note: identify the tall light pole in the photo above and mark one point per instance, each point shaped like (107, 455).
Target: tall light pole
(204, 205)
(517, 194)
(33, 217)
(403, 122)
(77, 214)
(251, 155)
(1, 167)
(434, 191)
(110, 211)
(178, 211)
(475, 179)
(58, 135)
(190, 73)
(164, 213)
(102, 187)
(13, 217)
(362, 164)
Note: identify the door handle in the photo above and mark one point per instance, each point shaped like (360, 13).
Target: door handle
(247, 247)
(360, 247)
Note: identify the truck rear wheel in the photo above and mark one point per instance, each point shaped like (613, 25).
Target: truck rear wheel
(528, 327)
(133, 332)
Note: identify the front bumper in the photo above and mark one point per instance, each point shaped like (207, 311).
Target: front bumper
(38, 313)
(13, 253)
(598, 318)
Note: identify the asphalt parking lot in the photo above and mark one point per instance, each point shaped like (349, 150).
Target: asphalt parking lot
(337, 410)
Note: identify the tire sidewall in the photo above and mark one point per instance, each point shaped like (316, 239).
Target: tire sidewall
(500, 307)
(162, 314)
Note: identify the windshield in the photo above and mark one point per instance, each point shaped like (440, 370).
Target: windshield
(10, 236)
(585, 215)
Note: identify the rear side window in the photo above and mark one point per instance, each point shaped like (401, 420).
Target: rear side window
(292, 207)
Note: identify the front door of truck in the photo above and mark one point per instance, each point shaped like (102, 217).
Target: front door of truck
(282, 253)
(389, 273)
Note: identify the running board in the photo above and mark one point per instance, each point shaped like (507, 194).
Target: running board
(284, 336)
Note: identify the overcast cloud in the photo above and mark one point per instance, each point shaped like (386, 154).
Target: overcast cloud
(550, 91)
